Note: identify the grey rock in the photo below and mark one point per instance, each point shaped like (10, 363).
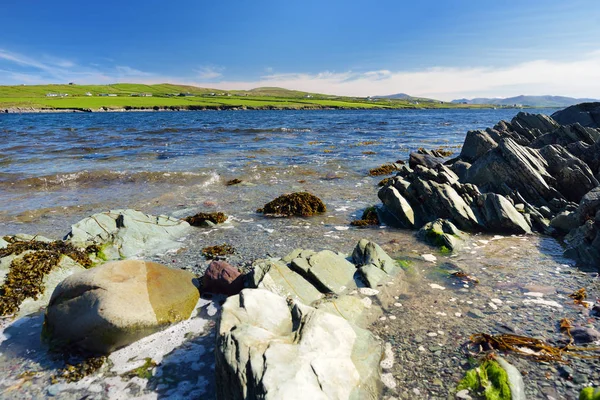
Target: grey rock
(327, 271)
(515, 379)
(501, 216)
(476, 144)
(270, 350)
(442, 233)
(566, 135)
(586, 114)
(475, 313)
(398, 206)
(129, 233)
(564, 222)
(278, 278)
(424, 160)
(583, 334)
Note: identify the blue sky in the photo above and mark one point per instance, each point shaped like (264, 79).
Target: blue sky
(442, 49)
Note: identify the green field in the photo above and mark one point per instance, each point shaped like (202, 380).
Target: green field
(89, 97)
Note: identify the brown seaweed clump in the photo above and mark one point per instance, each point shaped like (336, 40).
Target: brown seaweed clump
(74, 373)
(369, 217)
(201, 218)
(385, 169)
(212, 252)
(233, 182)
(301, 204)
(386, 182)
(25, 278)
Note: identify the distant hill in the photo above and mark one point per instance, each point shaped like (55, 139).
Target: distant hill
(404, 96)
(533, 101)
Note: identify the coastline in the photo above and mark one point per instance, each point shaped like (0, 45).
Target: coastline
(32, 110)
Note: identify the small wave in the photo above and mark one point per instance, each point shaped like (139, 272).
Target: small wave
(102, 178)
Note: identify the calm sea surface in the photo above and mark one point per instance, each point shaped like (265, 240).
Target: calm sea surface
(55, 168)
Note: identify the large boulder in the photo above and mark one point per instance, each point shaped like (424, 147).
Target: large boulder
(501, 216)
(117, 303)
(566, 135)
(586, 114)
(268, 348)
(129, 233)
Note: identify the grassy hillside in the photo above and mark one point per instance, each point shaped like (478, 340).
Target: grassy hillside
(127, 95)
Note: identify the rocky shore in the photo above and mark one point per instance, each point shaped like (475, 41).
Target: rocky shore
(93, 315)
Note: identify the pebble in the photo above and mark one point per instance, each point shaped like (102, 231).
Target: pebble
(429, 257)
(436, 286)
(475, 313)
(398, 304)
(365, 291)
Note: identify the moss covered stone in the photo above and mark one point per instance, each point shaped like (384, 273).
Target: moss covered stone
(301, 204)
(489, 380)
(25, 278)
(589, 393)
(201, 218)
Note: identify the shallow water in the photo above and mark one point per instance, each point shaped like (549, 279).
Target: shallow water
(57, 169)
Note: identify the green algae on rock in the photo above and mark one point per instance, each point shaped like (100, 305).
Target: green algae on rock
(211, 252)
(201, 218)
(589, 393)
(301, 204)
(489, 380)
(25, 278)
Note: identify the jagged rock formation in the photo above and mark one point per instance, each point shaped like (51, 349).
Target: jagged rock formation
(513, 178)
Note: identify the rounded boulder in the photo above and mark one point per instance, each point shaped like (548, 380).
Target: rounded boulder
(117, 303)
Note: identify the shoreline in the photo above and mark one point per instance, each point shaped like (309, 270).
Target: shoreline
(19, 110)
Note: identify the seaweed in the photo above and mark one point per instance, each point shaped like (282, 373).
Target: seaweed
(579, 297)
(233, 182)
(25, 278)
(76, 372)
(201, 218)
(369, 217)
(302, 204)
(144, 371)
(385, 169)
(386, 182)
(531, 347)
(589, 393)
(212, 252)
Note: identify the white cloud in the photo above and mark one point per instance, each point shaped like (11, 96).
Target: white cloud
(576, 78)
(208, 73)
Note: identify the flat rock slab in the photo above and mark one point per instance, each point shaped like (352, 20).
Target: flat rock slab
(278, 278)
(129, 233)
(330, 272)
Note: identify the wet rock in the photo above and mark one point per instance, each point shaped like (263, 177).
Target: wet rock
(564, 222)
(373, 263)
(501, 216)
(398, 206)
(475, 313)
(442, 233)
(128, 233)
(268, 349)
(117, 303)
(585, 335)
(222, 278)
